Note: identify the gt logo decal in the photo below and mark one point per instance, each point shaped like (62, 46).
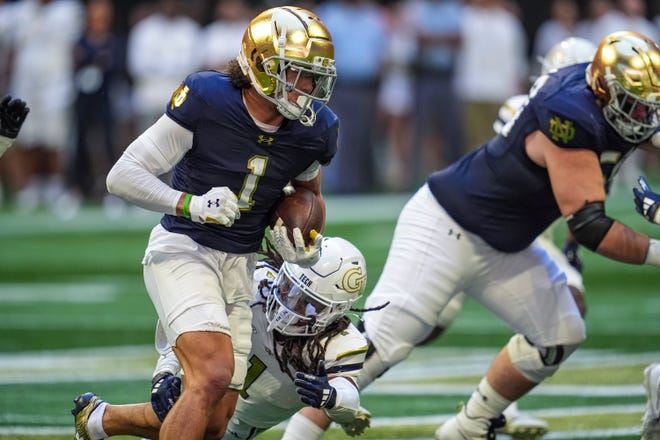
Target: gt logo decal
(179, 96)
(353, 280)
(561, 131)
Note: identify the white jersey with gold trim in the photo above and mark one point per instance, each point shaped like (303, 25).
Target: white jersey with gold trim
(269, 395)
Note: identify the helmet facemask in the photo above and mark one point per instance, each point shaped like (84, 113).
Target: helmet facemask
(305, 301)
(634, 118)
(294, 310)
(291, 77)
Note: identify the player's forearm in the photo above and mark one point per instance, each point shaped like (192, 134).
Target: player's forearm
(155, 152)
(624, 244)
(134, 184)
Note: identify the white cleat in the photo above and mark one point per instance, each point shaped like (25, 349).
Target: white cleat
(651, 420)
(522, 426)
(450, 431)
(453, 429)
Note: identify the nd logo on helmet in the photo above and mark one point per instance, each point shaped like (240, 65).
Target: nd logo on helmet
(353, 280)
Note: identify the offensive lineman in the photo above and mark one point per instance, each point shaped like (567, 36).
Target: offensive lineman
(551, 160)
(472, 227)
(388, 348)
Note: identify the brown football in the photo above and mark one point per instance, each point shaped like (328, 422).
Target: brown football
(303, 210)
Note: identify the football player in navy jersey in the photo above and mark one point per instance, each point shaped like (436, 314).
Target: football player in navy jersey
(393, 334)
(232, 140)
(472, 226)
(13, 112)
(554, 158)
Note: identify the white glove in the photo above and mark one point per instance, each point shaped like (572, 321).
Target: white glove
(296, 252)
(219, 206)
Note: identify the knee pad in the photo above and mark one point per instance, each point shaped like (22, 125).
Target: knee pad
(537, 363)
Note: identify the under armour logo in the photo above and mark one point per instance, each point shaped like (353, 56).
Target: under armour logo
(265, 140)
(210, 203)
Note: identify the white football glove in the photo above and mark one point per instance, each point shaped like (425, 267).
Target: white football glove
(296, 252)
(219, 206)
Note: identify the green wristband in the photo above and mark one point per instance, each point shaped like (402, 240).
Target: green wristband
(186, 205)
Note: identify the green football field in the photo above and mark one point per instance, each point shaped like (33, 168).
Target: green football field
(75, 317)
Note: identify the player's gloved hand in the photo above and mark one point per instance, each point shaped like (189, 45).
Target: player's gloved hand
(571, 248)
(165, 391)
(12, 115)
(218, 206)
(296, 252)
(315, 390)
(647, 202)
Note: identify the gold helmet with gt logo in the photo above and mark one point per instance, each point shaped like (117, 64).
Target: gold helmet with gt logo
(625, 76)
(289, 39)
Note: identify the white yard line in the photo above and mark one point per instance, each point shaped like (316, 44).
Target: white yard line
(78, 292)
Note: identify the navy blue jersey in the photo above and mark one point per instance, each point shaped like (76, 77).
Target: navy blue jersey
(230, 150)
(498, 193)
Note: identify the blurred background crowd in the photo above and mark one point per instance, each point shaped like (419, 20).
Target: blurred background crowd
(419, 81)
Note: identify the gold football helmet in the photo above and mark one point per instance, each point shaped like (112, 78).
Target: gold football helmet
(625, 76)
(289, 39)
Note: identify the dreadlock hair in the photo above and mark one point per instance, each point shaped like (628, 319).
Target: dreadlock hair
(271, 255)
(303, 353)
(236, 75)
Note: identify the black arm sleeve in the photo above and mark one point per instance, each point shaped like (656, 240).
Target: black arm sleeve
(589, 224)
